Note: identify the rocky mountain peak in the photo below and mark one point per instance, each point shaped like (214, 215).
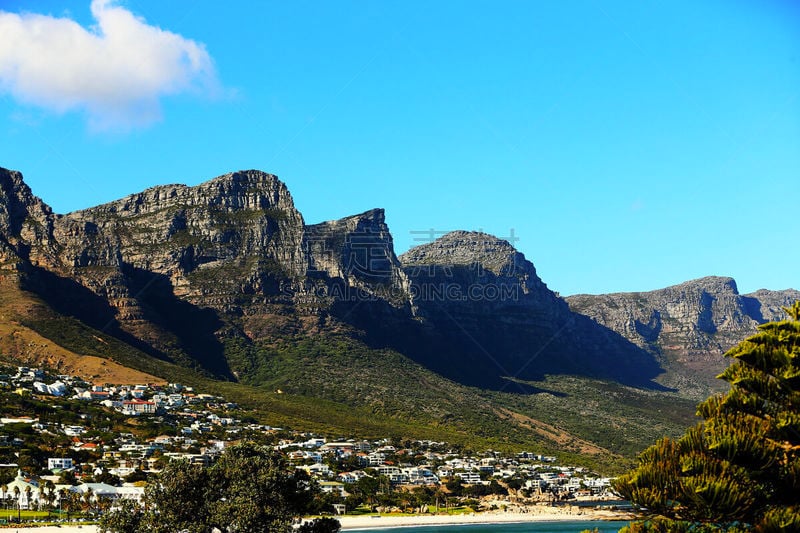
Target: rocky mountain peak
(468, 248)
(358, 250)
(242, 190)
(373, 220)
(712, 284)
(23, 217)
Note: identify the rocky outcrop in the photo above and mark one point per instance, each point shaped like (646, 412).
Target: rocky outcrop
(768, 306)
(26, 223)
(243, 223)
(182, 270)
(688, 326)
(487, 310)
(476, 275)
(357, 253)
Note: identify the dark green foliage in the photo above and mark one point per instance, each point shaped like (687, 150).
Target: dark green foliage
(321, 525)
(67, 477)
(485, 490)
(454, 486)
(108, 478)
(740, 468)
(248, 490)
(178, 499)
(136, 475)
(126, 518)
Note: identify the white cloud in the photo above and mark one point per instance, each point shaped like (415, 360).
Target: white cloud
(116, 71)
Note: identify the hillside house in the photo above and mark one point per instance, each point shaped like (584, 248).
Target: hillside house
(138, 407)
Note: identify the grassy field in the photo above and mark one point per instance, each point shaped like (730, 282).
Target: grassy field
(24, 515)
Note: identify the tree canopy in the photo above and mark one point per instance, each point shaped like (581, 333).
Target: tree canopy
(739, 469)
(248, 490)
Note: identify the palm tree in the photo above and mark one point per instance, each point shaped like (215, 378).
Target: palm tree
(16, 499)
(87, 499)
(3, 491)
(73, 502)
(50, 486)
(441, 496)
(28, 492)
(103, 503)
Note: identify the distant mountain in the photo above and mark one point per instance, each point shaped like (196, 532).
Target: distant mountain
(687, 326)
(177, 270)
(225, 281)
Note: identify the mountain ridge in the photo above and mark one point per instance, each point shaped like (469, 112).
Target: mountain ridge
(228, 280)
(687, 326)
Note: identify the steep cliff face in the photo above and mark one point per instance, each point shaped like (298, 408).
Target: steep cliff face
(356, 253)
(688, 326)
(694, 318)
(489, 313)
(475, 276)
(242, 223)
(156, 267)
(26, 222)
(767, 306)
(181, 269)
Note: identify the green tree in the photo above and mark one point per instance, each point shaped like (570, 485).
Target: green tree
(88, 500)
(136, 475)
(177, 500)
(107, 477)
(126, 518)
(455, 486)
(321, 525)
(72, 502)
(368, 487)
(50, 497)
(67, 477)
(249, 489)
(740, 468)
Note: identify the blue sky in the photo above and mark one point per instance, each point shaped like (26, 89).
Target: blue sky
(624, 145)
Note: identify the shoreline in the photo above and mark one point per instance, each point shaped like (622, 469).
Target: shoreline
(366, 522)
(398, 521)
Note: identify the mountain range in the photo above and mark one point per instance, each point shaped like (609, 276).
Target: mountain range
(226, 283)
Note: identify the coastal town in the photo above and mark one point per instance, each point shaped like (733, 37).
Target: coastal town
(70, 448)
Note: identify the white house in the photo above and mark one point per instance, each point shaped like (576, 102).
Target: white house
(332, 487)
(376, 459)
(470, 478)
(59, 463)
(138, 407)
(22, 491)
(347, 477)
(318, 469)
(103, 490)
(74, 431)
(56, 389)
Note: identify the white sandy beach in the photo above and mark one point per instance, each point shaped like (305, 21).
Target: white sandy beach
(354, 523)
(534, 514)
(50, 529)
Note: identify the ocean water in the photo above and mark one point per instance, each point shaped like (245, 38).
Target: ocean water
(535, 527)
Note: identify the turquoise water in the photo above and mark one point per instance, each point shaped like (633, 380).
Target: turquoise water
(536, 527)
